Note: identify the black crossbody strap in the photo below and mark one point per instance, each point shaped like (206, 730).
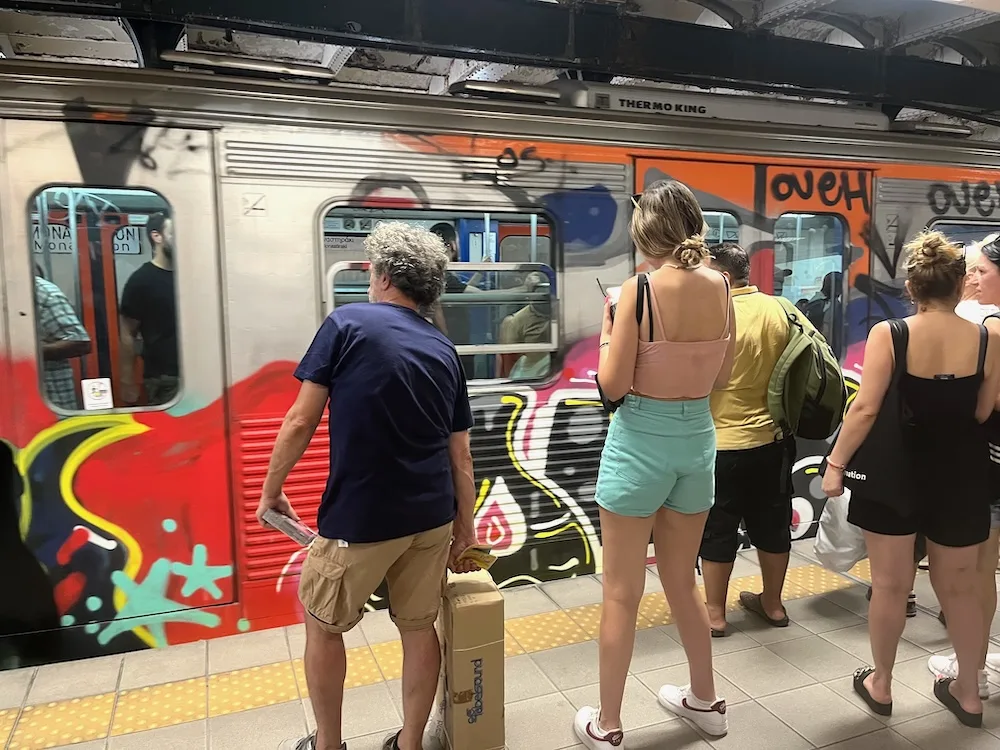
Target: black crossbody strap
(900, 343)
(642, 302)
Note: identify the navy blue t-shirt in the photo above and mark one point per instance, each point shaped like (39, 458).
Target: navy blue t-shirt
(397, 393)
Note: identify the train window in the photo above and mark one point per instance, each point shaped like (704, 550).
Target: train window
(808, 269)
(500, 302)
(965, 234)
(722, 227)
(105, 304)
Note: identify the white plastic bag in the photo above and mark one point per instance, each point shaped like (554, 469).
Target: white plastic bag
(839, 545)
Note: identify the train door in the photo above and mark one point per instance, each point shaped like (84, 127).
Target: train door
(806, 228)
(117, 414)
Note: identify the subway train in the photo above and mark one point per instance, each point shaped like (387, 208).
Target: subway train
(129, 509)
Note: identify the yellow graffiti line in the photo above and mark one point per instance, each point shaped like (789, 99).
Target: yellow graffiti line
(484, 491)
(518, 407)
(582, 402)
(125, 429)
(567, 527)
(26, 456)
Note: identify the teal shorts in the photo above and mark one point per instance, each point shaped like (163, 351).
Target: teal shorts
(658, 454)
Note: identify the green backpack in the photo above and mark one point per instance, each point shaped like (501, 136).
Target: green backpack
(806, 395)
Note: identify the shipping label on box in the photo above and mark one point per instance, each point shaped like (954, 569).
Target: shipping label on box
(472, 636)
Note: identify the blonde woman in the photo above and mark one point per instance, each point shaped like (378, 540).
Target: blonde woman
(657, 473)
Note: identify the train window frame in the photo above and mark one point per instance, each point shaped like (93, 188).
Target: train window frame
(449, 212)
(31, 209)
(722, 240)
(838, 345)
(936, 226)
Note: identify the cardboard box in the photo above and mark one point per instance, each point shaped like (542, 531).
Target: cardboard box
(470, 706)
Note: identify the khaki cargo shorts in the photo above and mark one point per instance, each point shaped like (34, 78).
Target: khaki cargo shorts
(337, 579)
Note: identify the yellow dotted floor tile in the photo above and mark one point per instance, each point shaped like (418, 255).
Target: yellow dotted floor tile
(251, 688)
(589, 619)
(63, 723)
(548, 630)
(160, 706)
(7, 719)
(389, 657)
(654, 610)
(816, 580)
(510, 645)
(862, 571)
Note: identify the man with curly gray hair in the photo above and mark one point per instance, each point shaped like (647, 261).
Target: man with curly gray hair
(400, 496)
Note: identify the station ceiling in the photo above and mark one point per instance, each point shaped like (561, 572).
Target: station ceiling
(400, 45)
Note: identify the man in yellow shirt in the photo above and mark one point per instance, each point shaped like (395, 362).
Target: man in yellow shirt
(753, 469)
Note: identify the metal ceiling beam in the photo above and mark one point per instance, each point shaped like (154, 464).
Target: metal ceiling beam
(847, 25)
(584, 36)
(936, 20)
(774, 12)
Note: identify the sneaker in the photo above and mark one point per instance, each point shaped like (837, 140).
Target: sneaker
(591, 735)
(946, 667)
(712, 720)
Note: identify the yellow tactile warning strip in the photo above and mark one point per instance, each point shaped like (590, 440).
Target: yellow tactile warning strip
(159, 706)
(83, 719)
(63, 723)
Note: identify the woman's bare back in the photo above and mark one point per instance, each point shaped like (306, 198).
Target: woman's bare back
(691, 305)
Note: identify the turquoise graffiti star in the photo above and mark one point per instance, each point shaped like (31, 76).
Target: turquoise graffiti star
(148, 606)
(199, 575)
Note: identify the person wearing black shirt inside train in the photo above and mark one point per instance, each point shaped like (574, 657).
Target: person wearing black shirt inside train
(149, 310)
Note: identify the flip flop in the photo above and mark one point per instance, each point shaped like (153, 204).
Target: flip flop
(949, 701)
(882, 709)
(751, 603)
(720, 633)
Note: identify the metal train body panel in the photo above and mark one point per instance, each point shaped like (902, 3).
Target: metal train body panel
(141, 520)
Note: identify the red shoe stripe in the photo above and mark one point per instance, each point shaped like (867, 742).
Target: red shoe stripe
(716, 708)
(613, 738)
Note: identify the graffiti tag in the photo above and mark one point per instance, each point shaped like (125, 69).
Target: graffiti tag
(528, 157)
(942, 198)
(832, 188)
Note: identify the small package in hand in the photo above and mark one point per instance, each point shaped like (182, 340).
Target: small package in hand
(295, 530)
(481, 555)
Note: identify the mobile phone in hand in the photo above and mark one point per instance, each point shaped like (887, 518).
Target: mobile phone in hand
(613, 293)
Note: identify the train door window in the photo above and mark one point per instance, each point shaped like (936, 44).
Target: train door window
(722, 227)
(500, 304)
(965, 234)
(105, 302)
(808, 269)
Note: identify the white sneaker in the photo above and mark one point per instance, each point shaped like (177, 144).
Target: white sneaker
(591, 735)
(947, 667)
(712, 720)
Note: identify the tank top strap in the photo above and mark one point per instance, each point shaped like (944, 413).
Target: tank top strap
(729, 307)
(984, 337)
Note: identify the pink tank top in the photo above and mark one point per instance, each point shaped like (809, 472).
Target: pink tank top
(677, 369)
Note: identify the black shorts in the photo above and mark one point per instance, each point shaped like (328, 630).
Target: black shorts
(753, 486)
(946, 523)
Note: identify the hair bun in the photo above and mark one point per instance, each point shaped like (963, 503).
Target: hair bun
(692, 251)
(931, 249)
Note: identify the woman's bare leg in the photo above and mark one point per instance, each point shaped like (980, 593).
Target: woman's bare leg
(892, 581)
(625, 540)
(958, 588)
(986, 571)
(677, 538)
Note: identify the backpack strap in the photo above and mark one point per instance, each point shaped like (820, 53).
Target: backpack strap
(641, 302)
(984, 336)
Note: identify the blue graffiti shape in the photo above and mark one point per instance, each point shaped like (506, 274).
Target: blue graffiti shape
(199, 575)
(587, 215)
(148, 606)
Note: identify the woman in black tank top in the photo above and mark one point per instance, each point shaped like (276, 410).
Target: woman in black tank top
(928, 412)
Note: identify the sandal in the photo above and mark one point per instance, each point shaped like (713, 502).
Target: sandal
(882, 709)
(949, 701)
(720, 633)
(751, 603)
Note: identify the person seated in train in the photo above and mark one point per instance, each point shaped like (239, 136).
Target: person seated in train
(947, 387)
(400, 462)
(62, 338)
(532, 324)
(657, 471)
(979, 304)
(753, 466)
(148, 310)
(454, 320)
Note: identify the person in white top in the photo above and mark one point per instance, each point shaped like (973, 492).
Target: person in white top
(979, 300)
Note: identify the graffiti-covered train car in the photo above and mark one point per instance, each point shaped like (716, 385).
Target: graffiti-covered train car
(238, 209)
